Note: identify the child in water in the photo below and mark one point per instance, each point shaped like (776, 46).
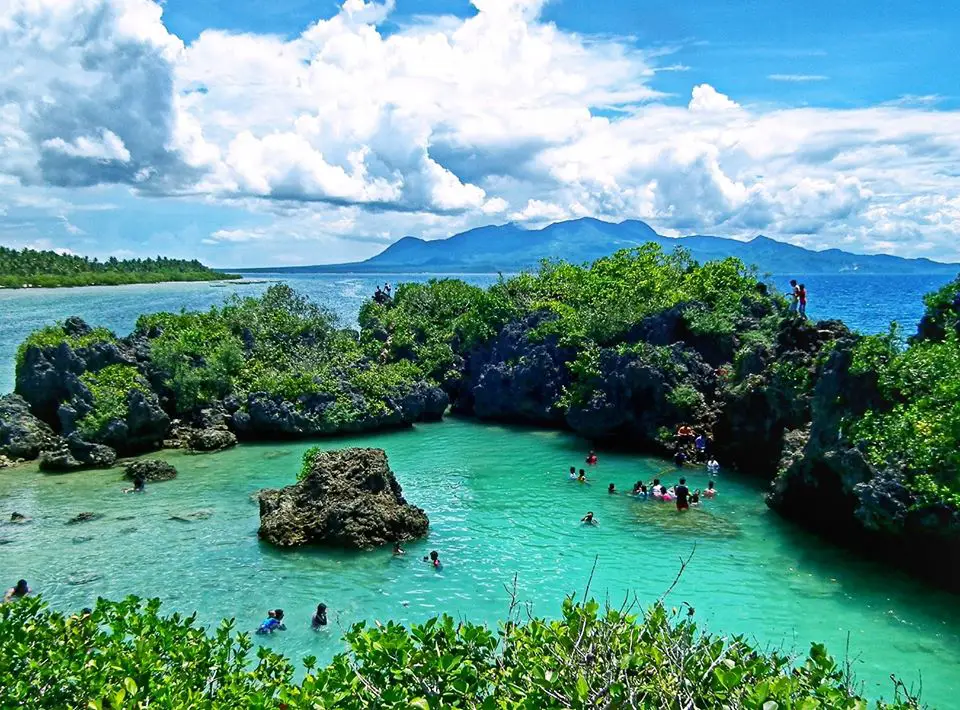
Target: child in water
(612, 489)
(139, 486)
(582, 477)
(592, 459)
(588, 519)
(397, 550)
(320, 618)
(573, 473)
(273, 623)
(711, 492)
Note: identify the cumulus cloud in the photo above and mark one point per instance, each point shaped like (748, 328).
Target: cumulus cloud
(347, 133)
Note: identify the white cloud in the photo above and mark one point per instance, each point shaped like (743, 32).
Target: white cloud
(797, 78)
(351, 137)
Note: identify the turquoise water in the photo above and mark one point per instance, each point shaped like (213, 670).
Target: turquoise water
(500, 505)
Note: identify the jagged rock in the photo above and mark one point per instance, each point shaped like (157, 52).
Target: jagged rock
(150, 470)
(73, 453)
(22, 435)
(84, 518)
(7, 462)
(350, 499)
(211, 439)
(48, 376)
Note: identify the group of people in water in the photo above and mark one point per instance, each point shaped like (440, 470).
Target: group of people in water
(680, 493)
(274, 620)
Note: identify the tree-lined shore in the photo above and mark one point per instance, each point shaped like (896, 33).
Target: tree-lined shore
(29, 268)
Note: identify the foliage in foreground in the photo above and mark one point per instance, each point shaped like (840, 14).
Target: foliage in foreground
(50, 269)
(127, 655)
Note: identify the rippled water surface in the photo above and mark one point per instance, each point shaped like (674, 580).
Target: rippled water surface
(500, 505)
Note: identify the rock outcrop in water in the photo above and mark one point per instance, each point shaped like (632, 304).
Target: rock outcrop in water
(152, 470)
(350, 498)
(22, 435)
(72, 453)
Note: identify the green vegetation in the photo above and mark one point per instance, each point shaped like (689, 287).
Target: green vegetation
(53, 335)
(110, 388)
(280, 344)
(586, 308)
(128, 655)
(48, 269)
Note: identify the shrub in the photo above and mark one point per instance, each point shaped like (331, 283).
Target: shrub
(52, 336)
(110, 388)
(126, 654)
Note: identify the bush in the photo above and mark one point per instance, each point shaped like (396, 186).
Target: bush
(52, 336)
(126, 654)
(110, 388)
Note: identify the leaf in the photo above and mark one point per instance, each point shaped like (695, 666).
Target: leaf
(420, 703)
(771, 705)
(130, 685)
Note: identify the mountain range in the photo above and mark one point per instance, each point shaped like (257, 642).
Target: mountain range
(510, 248)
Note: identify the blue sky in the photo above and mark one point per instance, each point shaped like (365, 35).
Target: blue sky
(326, 130)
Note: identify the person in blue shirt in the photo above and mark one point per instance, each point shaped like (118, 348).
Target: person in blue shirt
(273, 623)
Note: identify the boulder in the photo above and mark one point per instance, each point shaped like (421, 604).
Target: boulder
(73, 453)
(350, 498)
(150, 470)
(211, 439)
(22, 435)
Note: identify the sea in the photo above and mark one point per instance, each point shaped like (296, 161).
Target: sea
(502, 512)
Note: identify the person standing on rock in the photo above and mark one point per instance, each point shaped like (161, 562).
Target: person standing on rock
(802, 298)
(794, 296)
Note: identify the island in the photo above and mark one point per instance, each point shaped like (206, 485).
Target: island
(29, 268)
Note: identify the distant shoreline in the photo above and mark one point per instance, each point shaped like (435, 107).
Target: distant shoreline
(38, 281)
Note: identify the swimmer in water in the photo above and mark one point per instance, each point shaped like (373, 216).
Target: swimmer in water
(434, 559)
(588, 519)
(657, 492)
(17, 591)
(711, 492)
(139, 486)
(695, 498)
(320, 618)
(642, 495)
(683, 495)
(573, 473)
(397, 550)
(582, 477)
(668, 494)
(612, 489)
(592, 459)
(273, 623)
(636, 488)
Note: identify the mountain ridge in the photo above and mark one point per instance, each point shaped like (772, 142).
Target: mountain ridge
(509, 248)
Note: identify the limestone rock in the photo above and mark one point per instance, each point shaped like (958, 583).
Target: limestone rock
(150, 470)
(73, 453)
(349, 499)
(22, 435)
(211, 439)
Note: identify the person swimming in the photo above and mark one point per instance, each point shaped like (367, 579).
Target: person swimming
(683, 495)
(711, 492)
(695, 497)
(657, 492)
(669, 495)
(320, 617)
(642, 495)
(398, 551)
(139, 485)
(17, 591)
(612, 489)
(582, 477)
(591, 459)
(273, 623)
(434, 559)
(588, 519)
(573, 473)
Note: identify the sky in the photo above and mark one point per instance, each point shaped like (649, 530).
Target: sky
(246, 133)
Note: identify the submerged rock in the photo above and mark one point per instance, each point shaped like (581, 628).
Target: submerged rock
(22, 435)
(73, 453)
(190, 517)
(84, 518)
(151, 470)
(349, 499)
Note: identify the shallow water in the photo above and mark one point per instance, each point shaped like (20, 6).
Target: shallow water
(500, 505)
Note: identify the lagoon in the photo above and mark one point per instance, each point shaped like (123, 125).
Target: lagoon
(501, 507)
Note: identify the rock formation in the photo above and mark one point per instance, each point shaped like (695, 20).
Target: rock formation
(22, 435)
(150, 470)
(350, 498)
(73, 453)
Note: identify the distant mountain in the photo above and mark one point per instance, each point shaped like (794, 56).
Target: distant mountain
(509, 248)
